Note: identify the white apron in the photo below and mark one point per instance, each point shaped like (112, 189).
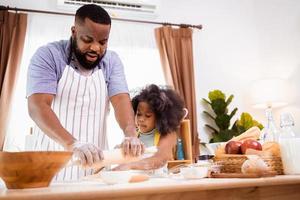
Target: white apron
(81, 105)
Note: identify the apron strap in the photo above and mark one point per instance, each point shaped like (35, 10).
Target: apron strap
(156, 137)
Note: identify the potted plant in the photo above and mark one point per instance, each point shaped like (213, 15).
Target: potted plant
(221, 129)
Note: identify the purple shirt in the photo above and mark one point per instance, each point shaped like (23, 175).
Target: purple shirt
(48, 63)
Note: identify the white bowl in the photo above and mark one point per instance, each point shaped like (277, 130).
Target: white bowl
(114, 177)
(194, 172)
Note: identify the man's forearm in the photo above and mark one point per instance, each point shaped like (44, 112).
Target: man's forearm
(130, 131)
(45, 118)
(124, 114)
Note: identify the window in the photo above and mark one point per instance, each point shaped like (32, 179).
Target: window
(138, 74)
(133, 42)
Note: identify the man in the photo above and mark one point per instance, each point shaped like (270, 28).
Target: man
(68, 89)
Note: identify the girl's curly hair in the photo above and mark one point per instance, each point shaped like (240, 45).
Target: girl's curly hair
(166, 104)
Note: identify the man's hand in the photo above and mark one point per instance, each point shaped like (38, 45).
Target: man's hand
(132, 146)
(87, 153)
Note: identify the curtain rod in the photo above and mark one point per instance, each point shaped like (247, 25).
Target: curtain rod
(113, 18)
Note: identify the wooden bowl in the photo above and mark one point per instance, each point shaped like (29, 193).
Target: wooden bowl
(31, 169)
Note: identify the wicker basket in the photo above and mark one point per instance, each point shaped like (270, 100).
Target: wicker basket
(232, 163)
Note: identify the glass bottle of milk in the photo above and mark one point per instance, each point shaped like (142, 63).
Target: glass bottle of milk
(286, 125)
(289, 145)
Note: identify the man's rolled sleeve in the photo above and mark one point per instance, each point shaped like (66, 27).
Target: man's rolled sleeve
(117, 81)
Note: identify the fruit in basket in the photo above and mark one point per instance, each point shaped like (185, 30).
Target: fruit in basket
(233, 147)
(252, 133)
(250, 144)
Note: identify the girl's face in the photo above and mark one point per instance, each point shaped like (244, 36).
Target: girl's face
(144, 118)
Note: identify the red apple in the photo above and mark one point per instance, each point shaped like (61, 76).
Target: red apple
(250, 144)
(233, 147)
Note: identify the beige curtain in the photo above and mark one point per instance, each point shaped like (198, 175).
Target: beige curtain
(176, 54)
(12, 36)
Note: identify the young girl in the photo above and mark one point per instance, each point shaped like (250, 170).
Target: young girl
(158, 113)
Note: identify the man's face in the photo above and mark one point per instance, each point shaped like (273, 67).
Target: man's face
(90, 42)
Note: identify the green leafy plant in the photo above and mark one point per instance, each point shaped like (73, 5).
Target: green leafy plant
(245, 122)
(221, 130)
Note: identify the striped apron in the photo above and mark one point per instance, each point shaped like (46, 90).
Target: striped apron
(81, 105)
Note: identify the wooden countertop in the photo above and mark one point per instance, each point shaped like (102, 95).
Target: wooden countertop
(285, 186)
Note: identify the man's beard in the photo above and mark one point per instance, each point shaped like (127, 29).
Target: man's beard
(81, 57)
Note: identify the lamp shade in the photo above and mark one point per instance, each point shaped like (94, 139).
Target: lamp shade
(267, 93)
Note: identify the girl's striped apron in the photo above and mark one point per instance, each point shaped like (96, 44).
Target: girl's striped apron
(81, 104)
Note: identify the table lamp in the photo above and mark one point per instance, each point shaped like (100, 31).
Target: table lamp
(268, 94)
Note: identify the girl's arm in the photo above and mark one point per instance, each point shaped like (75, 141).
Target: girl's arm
(159, 159)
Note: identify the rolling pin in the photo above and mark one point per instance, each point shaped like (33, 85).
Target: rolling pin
(115, 156)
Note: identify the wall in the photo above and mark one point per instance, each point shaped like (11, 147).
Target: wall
(241, 41)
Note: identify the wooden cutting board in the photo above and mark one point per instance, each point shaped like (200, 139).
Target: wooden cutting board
(241, 175)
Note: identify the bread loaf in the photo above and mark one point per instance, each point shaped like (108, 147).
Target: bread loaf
(271, 148)
(254, 165)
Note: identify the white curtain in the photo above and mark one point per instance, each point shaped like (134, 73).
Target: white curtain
(133, 42)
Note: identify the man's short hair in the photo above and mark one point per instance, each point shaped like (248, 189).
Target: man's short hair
(93, 12)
